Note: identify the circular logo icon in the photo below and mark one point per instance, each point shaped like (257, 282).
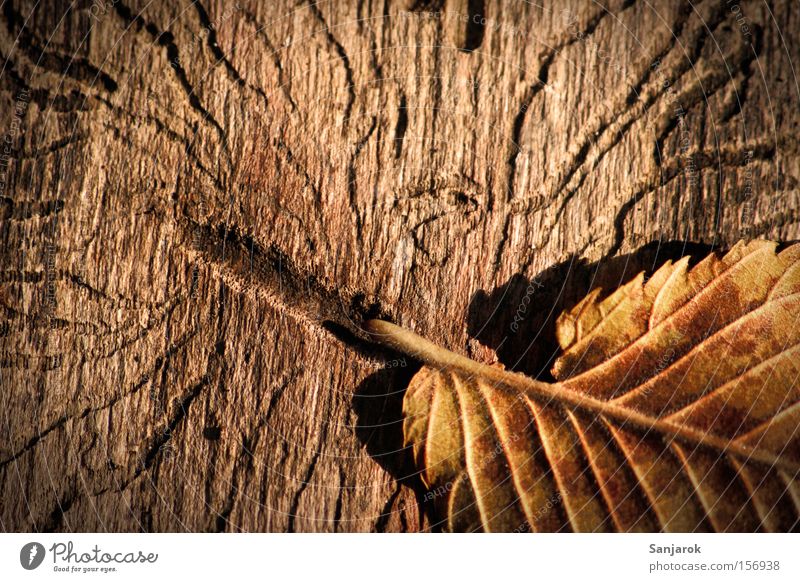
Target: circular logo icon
(31, 555)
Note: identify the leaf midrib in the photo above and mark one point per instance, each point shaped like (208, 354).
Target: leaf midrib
(429, 353)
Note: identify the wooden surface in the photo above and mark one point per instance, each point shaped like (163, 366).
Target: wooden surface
(200, 201)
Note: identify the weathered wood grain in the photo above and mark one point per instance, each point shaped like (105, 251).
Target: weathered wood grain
(200, 199)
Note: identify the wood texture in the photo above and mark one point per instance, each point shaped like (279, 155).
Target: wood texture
(200, 200)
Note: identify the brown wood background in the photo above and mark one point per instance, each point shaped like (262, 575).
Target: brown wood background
(198, 201)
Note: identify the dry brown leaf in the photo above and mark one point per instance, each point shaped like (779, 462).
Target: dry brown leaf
(677, 408)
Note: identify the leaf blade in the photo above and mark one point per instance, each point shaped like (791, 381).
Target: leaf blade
(704, 439)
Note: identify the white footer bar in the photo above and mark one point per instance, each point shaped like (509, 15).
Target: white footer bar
(386, 558)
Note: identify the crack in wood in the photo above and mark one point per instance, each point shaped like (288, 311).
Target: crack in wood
(244, 461)
(709, 83)
(44, 99)
(342, 53)
(56, 519)
(386, 512)
(352, 180)
(21, 210)
(77, 68)
(631, 114)
(166, 40)
(294, 507)
(75, 415)
(671, 170)
(294, 163)
(283, 81)
(547, 58)
(624, 118)
(180, 411)
(337, 511)
(162, 128)
(597, 134)
(401, 125)
(474, 27)
(213, 45)
(216, 50)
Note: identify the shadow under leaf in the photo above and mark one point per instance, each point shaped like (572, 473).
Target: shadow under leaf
(517, 319)
(378, 404)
